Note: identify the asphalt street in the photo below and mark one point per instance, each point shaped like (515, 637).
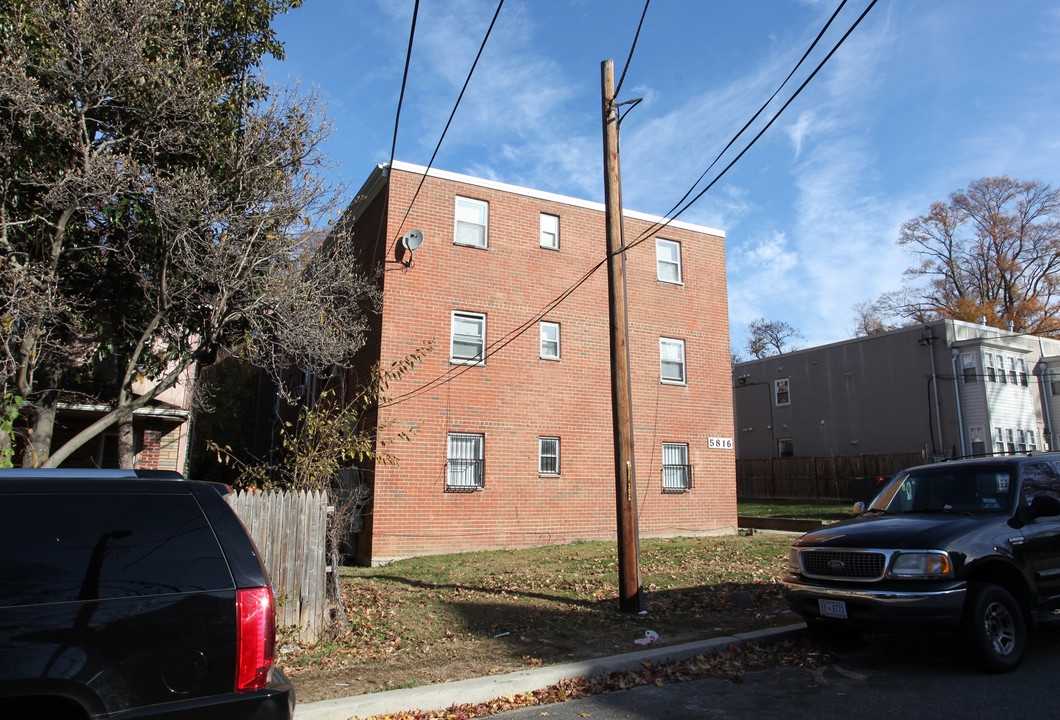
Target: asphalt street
(887, 678)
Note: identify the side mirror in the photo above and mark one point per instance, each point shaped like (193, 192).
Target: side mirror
(859, 507)
(1044, 506)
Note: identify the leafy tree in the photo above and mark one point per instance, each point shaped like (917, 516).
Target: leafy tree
(772, 337)
(992, 251)
(155, 198)
(873, 317)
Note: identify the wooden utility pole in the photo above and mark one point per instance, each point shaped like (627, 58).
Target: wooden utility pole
(630, 597)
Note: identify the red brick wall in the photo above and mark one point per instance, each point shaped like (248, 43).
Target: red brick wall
(516, 396)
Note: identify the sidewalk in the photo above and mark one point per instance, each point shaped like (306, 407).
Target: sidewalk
(484, 689)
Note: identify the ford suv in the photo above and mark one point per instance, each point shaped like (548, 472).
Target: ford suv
(968, 546)
(132, 594)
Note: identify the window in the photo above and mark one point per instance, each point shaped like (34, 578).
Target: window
(1032, 440)
(1012, 370)
(472, 221)
(549, 231)
(991, 372)
(1040, 478)
(465, 462)
(1010, 441)
(999, 439)
(668, 260)
(978, 440)
(1055, 385)
(785, 447)
(1002, 377)
(671, 360)
(1021, 441)
(677, 473)
(468, 338)
(550, 341)
(548, 455)
(970, 369)
(1022, 366)
(781, 391)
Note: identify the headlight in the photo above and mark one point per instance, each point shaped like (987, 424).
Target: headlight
(793, 561)
(921, 564)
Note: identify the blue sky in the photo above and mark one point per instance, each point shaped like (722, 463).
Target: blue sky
(921, 99)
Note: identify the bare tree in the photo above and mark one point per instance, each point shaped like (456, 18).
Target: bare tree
(772, 337)
(156, 198)
(993, 251)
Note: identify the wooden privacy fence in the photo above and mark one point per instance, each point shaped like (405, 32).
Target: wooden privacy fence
(289, 529)
(834, 477)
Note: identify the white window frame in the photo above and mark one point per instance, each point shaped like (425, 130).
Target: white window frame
(1021, 441)
(999, 440)
(549, 348)
(462, 207)
(672, 355)
(789, 442)
(969, 362)
(465, 461)
(1012, 377)
(782, 385)
(665, 253)
(544, 453)
(1021, 366)
(480, 357)
(991, 371)
(676, 476)
(549, 226)
(1010, 441)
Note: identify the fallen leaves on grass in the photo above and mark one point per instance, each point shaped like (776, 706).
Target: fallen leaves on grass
(729, 664)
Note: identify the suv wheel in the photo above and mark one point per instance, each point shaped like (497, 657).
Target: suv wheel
(994, 627)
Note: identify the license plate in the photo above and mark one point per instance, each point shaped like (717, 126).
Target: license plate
(833, 608)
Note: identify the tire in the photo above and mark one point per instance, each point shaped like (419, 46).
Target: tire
(994, 627)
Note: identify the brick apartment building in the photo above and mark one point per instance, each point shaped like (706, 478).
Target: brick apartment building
(503, 435)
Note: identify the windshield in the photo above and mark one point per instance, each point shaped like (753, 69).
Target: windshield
(975, 489)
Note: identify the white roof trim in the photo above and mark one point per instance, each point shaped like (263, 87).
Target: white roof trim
(174, 413)
(552, 197)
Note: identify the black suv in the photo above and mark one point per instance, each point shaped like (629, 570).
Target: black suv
(971, 546)
(132, 594)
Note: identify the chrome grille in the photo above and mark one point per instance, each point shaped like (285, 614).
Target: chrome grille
(843, 564)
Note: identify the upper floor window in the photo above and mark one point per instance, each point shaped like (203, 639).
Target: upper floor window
(991, 372)
(472, 222)
(548, 455)
(782, 391)
(1021, 365)
(677, 472)
(549, 231)
(978, 436)
(668, 260)
(1012, 370)
(969, 368)
(550, 341)
(671, 360)
(465, 462)
(468, 341)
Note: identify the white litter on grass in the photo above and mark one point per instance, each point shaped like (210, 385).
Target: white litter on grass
(650, 636)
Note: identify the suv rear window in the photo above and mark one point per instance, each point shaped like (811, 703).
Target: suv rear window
(84, 546)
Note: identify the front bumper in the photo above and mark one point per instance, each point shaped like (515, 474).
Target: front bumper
(937, 607)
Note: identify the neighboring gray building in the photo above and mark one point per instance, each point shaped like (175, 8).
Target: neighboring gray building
(895, 393)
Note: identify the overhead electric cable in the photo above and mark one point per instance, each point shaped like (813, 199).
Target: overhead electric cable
(753, 118)
(397, 121)
(449, 122)
(494, 347)
(632, 48)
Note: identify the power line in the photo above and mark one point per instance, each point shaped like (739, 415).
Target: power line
(512, 335)
(449, 122)
(749, 122)
(632, 48)
(397, 121)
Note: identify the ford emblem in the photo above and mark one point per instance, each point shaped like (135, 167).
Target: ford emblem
(836, 565)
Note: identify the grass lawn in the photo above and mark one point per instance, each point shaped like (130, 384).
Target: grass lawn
(449, 617)
(797, 509)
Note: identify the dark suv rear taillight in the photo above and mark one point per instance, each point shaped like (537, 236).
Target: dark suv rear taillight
(256, 637)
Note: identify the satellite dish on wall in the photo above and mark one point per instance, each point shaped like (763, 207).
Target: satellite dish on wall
(412, 240)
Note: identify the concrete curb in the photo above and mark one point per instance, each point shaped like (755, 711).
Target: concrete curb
(492, 687)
